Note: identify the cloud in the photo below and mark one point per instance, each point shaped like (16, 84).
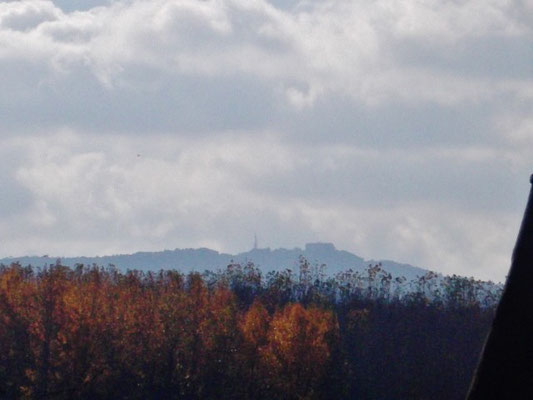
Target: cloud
(25, 16)
(396, 129)
(361, 50)
(123, 194)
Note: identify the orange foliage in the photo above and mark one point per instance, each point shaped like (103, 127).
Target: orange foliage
(299, 348)
(94, 333)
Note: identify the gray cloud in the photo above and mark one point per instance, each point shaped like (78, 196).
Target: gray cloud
(396, 129)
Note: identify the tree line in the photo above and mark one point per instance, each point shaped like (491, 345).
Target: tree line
(96, 333)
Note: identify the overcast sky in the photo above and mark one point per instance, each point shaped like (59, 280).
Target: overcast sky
(397, 129)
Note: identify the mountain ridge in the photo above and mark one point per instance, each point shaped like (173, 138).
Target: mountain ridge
(201, 259)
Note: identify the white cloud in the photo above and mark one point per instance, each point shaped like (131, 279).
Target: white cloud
(123, 194)
(379, 125)
(333, 46)
(25, 16)
(438, 237)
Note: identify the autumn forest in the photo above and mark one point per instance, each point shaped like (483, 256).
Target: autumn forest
(97, 333)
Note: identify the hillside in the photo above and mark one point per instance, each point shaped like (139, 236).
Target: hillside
(187, 260)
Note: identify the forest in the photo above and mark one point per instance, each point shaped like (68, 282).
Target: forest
(93, 332)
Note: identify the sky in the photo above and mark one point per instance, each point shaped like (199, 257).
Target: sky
(396, 129)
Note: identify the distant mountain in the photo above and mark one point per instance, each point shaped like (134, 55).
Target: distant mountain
(187, 260)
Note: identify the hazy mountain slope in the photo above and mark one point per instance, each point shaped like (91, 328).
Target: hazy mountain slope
(187, 260)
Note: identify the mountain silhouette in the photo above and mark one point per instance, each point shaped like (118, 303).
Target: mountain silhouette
(187, 260)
